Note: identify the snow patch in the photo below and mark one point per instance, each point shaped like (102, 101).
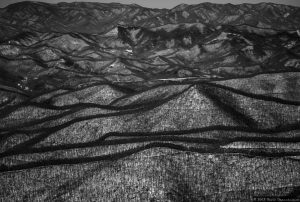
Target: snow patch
(185, 14)
(291, 44)
(113, 32)
(187, 40)
(293, 63)
(133, 34)
(286, 15)
(114, 64)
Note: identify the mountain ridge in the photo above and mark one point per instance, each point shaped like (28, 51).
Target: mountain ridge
(181, 5)
(86, 17)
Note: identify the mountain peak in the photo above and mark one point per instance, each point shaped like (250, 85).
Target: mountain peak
(180, 7)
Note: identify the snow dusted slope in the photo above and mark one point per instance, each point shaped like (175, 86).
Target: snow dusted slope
(112, 102)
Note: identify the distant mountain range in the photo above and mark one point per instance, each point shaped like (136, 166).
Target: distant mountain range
(100, 18)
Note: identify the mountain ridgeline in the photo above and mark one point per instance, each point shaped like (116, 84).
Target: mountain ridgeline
(100, 18)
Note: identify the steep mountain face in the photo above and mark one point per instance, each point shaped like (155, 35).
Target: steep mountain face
(181, 35)
(98, 18)
(112, 102)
